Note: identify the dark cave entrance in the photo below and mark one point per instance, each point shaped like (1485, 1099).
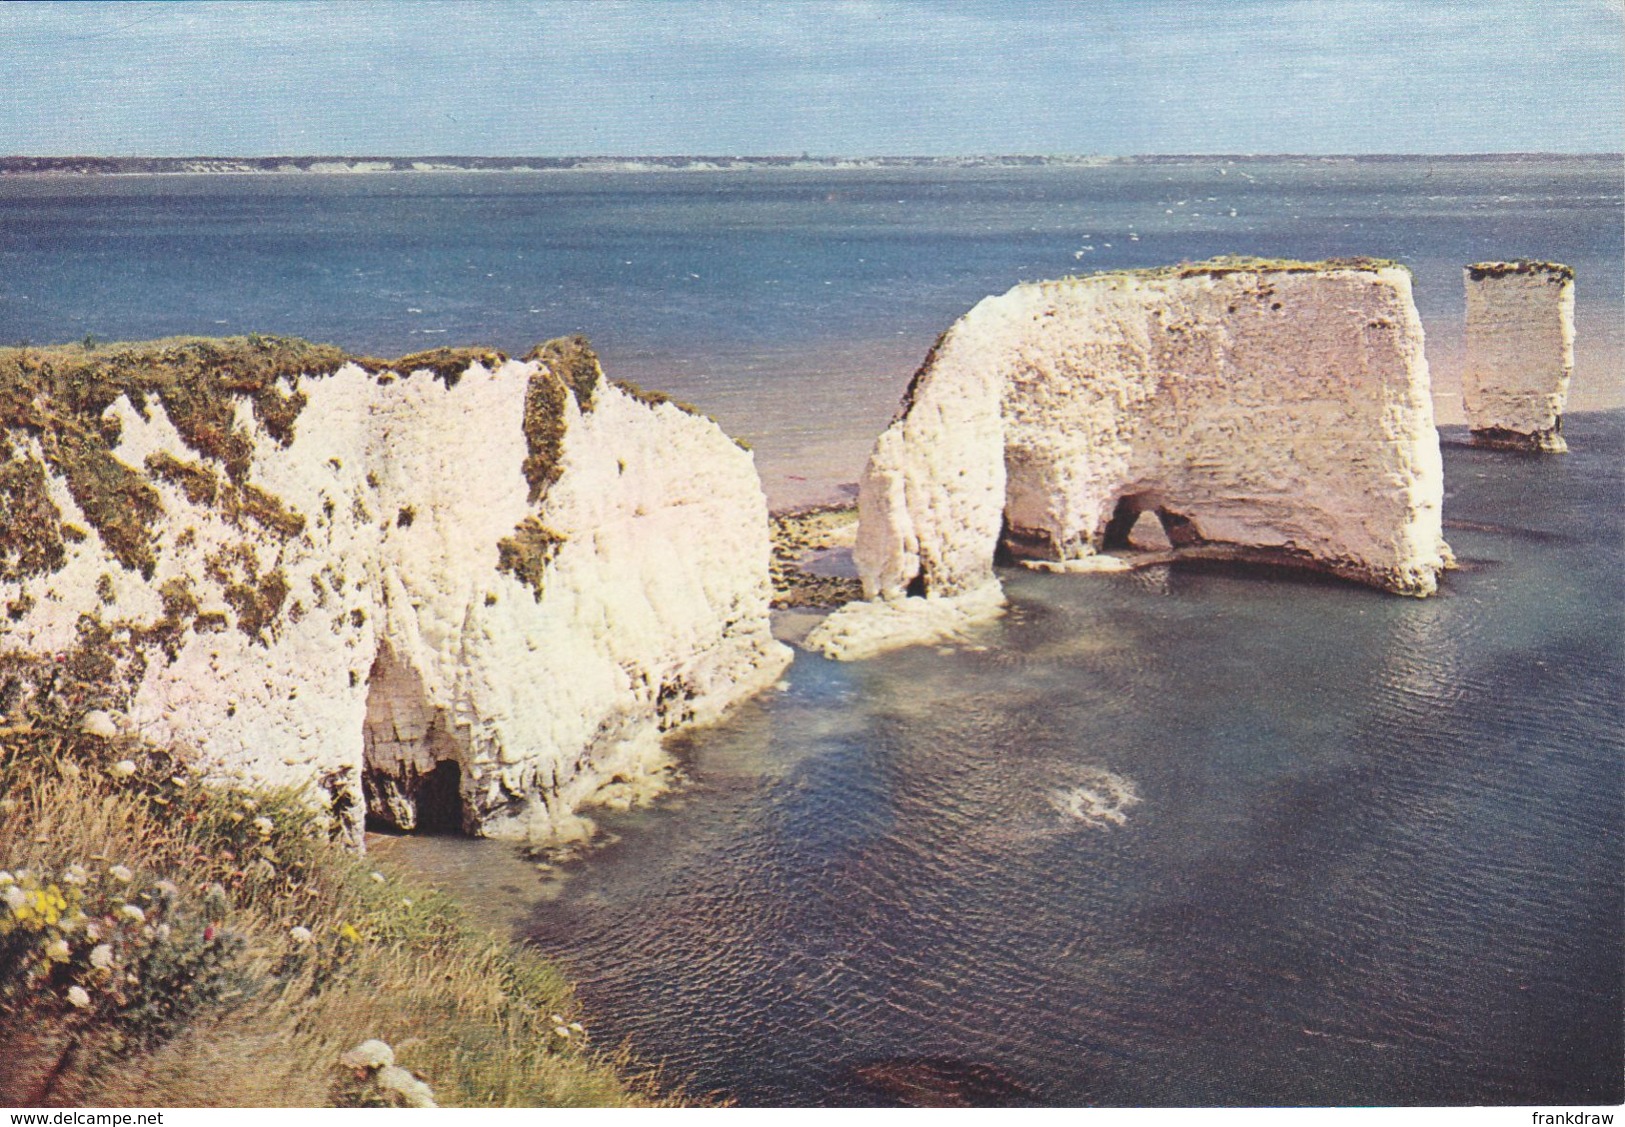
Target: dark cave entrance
(1180, 530)
(410, 777)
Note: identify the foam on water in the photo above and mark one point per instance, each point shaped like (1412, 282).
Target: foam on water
(1099, 800)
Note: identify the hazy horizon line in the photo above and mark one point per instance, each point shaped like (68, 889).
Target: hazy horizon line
(783, 156)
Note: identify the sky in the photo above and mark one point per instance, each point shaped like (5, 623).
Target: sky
(825, 77)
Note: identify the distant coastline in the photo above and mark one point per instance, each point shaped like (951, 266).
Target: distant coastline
(331, 165)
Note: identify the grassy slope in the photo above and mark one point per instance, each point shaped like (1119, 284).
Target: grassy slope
(213, 999)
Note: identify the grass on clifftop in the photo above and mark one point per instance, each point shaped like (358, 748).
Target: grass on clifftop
(1228, 264)
(163, 943)
(1553, 271)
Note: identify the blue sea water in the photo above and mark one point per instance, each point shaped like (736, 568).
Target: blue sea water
(1192, 838)
(791, 305)
(1178, 838)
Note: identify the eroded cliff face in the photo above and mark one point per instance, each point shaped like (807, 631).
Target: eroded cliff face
(1519, 354)
(1278, 412)
(453, 590)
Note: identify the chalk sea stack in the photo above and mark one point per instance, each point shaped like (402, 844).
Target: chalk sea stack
(1520, 354)
(453, 589)
(1268, 411)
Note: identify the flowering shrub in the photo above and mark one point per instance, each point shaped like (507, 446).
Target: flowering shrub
(103, 944)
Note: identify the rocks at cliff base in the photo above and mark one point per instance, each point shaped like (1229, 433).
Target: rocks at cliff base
(1519, 354)
(1270, 411)
(451, 590)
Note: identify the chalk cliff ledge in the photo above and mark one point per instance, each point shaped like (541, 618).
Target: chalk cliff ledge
(1267, 411)
(453, 589)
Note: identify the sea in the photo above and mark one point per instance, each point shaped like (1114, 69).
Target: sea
(1201, 836)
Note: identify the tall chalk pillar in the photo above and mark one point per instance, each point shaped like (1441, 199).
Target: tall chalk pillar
(1520, 353)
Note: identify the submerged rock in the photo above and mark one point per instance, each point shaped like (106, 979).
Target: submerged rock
(472, 589)
(1278, 412)
(1520, 354)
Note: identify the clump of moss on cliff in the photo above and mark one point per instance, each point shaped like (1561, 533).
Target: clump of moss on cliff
(1554, 271)
(446, 364)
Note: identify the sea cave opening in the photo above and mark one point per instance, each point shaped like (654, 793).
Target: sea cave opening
(410, 777)
(1128, 510)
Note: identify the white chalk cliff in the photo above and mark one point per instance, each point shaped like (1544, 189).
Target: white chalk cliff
(1278, 412)
(489, 591)
(1520, 354)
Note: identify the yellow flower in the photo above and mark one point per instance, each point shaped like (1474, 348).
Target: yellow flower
(348, 931)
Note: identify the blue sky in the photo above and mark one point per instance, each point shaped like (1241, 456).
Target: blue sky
(928, 77)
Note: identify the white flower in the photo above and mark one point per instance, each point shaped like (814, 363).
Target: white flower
(412, 1091)
(576, 1027)
(75, 874)
(299, 934)
(263, 826)
(562, 1031)
(78, 997)
(406, 901)
(15, 897)
(57, 951)
(121, 874)
(250, 804)
(6, 878)
(377, 876)
(101, 956)
(93, 931)
(372, 1053)
(123, 769)
(131, 912)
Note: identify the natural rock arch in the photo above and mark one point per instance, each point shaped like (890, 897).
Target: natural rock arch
(1267, 411)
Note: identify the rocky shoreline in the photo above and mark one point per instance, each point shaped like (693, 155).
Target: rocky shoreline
(800, 537)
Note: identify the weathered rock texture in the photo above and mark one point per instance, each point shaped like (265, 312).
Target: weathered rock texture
(1278, 412)
(1520, 353)
(472, 589)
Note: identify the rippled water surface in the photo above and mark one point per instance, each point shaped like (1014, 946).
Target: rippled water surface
(1207, 837)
